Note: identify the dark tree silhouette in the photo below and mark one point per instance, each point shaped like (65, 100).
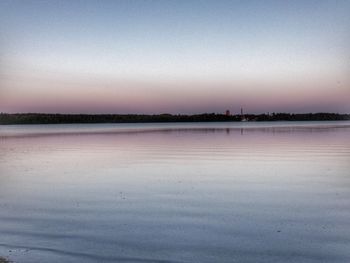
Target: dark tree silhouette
(40, 118)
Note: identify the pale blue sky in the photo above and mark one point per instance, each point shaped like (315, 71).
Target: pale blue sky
(159, 55)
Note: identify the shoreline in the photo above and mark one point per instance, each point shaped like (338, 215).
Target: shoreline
(48, 118)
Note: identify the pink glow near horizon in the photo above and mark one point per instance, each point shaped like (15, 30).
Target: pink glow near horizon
(59, 94)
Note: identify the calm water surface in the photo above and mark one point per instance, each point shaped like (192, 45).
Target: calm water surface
(207, 192)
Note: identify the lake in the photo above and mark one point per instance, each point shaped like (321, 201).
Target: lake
(195, 192)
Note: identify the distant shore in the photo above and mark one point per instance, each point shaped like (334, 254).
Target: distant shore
(41, 118)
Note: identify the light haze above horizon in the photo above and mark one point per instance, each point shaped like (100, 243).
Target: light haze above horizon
(174, 56)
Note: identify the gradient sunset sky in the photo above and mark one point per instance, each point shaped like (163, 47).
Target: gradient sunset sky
(174, 56)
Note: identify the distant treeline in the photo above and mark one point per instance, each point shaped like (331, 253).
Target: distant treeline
(39, 118)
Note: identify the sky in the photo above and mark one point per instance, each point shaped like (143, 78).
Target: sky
(179, 57)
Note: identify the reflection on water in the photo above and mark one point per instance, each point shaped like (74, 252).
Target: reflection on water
(213, 192)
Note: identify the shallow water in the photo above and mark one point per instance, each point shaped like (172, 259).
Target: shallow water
(207, 192)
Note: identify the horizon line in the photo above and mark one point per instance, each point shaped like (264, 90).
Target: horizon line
(183, 114)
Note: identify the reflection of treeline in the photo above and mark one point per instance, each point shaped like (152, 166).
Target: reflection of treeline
(38, 118)
(299, 117)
